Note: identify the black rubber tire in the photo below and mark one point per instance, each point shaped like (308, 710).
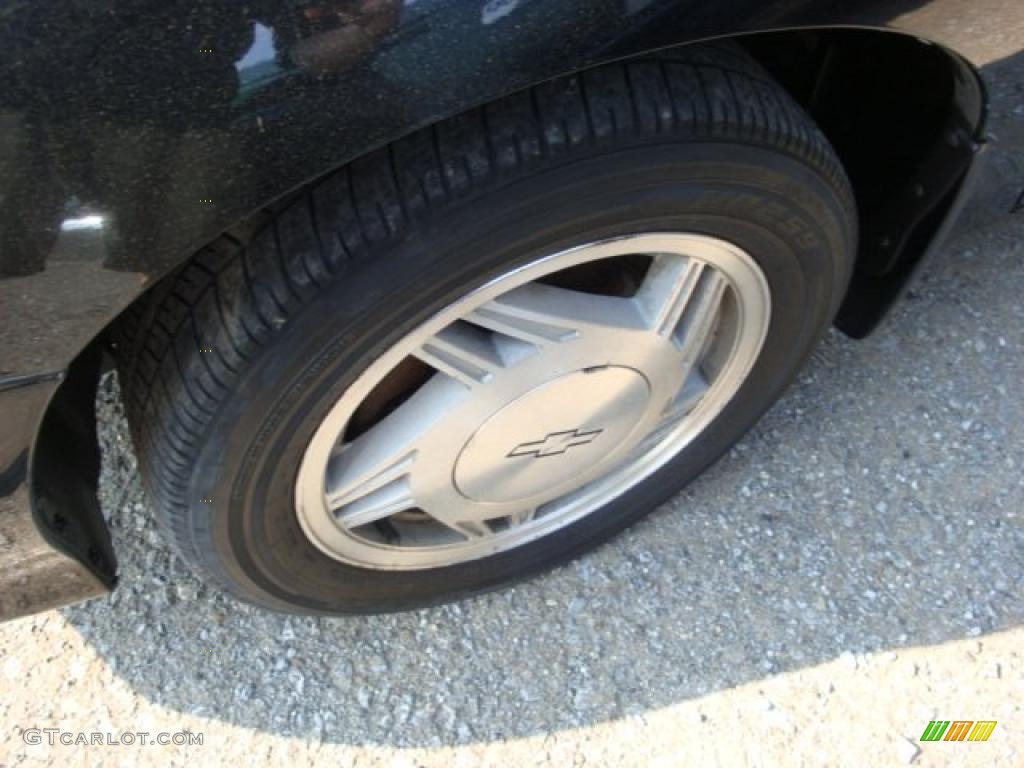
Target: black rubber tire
(230, 364)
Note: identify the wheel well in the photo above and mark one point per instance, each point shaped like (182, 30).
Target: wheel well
(903, 115)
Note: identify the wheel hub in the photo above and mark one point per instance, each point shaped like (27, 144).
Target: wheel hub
(552, 435)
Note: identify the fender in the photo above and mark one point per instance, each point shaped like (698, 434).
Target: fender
(133, 132)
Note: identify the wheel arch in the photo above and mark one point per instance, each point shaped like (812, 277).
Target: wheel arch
(933, 130)
(907, 118)
(905, 115)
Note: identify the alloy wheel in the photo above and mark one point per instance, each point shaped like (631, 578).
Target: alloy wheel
(533, 401)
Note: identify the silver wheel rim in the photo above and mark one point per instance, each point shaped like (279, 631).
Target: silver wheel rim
(532, 404)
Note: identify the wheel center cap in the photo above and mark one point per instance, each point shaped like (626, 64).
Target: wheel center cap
(552, 435)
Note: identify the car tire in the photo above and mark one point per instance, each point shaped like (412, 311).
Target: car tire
(233, 365)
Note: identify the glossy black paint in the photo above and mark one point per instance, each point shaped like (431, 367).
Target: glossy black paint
(134, 131)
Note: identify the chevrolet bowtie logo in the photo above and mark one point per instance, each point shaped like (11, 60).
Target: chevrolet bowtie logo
(555, 444)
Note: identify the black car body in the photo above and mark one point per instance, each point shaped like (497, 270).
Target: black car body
(134, 132)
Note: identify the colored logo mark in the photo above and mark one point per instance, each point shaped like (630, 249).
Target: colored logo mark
(958, 730)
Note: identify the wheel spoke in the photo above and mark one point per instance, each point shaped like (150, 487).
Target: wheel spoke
(681, 298)
(378, 504)
(372, 469)
(462, 352)
(473, 529)
(679, 407)
(522, 517)
(365, 477)
(700, 316)
(522, 322)
(667, 290)
(543, 315)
